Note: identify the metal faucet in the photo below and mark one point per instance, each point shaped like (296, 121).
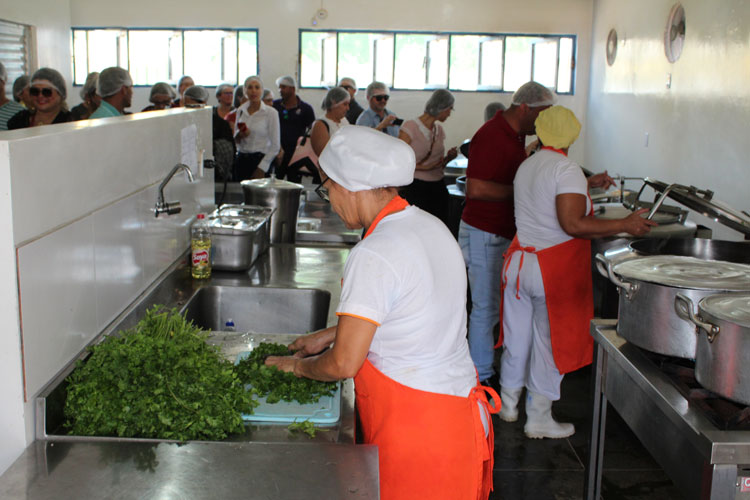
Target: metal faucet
(172, 207)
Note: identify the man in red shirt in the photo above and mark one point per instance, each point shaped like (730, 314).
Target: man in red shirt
(487, 224)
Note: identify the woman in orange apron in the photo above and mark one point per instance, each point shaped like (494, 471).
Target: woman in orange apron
(547, 294)
(402, 329)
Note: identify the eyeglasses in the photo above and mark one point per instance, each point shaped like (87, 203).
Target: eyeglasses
(35, 91)
(323, 192)
(381, 97)
(347, 87)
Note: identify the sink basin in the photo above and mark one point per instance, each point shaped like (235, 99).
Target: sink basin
(259, 309)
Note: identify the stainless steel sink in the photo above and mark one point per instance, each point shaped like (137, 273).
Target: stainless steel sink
(259, 309)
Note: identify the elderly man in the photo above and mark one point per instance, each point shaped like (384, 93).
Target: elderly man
(354, 108)
(295, 116)
(184, 83)
(487, 225)
(8, 108)
(116, 88)
(377, 116)
(401, 331)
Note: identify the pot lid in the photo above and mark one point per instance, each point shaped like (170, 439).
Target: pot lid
(664, 216)
(229, 210)
(687, 272)
(235, 225)
(734, 307)
(271, 183)
(701, 201)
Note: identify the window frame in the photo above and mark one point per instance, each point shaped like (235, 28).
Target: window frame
(182, 31)
(449, 34)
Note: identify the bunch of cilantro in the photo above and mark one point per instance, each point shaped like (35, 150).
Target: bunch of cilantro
(158, 380)
(275, 384)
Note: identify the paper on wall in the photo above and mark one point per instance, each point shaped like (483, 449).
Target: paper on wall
(190, 147)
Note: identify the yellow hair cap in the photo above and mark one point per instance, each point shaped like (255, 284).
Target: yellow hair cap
(557, 127)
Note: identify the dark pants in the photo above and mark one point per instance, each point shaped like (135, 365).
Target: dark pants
(245, 165)
(430, 196)
(297, 169)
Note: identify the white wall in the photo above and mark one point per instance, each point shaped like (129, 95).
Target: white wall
(697, 129)
(278, 23)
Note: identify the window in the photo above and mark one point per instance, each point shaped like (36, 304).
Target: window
(422, 61)
(15, 40)
(210, 56)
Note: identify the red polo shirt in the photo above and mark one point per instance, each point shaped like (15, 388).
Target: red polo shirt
(495, 154)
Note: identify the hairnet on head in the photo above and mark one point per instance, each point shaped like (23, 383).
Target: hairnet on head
(335, 96)
(221, 88)
(286, 80)
(89, 88)
(112, 79)
(439, 101)
(162, 88)
(376, 86)
(239, 93)
(557, 127)
(182, 80)
(52, 77)
(22, 83)
(253, 79)
(492, 109)
(266, 94)
(3, 73)
(533, 95)
(362, 158)
(348, 81)
(196, 93)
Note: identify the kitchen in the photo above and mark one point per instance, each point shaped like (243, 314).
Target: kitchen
(642, 116)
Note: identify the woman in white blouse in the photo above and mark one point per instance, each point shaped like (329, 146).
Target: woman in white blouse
(427, 138)
(256, 133)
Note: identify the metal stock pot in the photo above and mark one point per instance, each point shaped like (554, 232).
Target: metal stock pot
(648, 286)
(722, 356)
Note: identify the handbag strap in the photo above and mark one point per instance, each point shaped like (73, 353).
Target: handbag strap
(308, 131)
(432, 143)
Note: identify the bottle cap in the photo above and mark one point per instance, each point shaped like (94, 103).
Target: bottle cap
(201, 216)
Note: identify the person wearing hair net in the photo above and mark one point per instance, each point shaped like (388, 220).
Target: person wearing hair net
(354, 108)
(91, 99)
(239, 100)
(160, 97)
(427, 139)
(184, 83)
(377, 116)
(225, 99)
(267, 97)
(21, 91)
(547, 291)
(48, 91)
(116, 88)
(8, 108)
(401, 329)
(223, 141)
(486, 228)
(295, 117)
(256, 133)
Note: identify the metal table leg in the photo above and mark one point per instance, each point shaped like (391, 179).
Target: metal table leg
(594, 460)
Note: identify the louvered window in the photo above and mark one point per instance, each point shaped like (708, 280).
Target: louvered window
(14, 51)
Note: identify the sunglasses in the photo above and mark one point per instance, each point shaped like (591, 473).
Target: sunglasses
(347, 87)
(323, 192)
(380, 98)
(35, 91)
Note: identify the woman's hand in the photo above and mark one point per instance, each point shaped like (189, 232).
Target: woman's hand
(636, 225)
(242, 130)
(313, 343)
(283, 363)
(451, 154)
(602, 180)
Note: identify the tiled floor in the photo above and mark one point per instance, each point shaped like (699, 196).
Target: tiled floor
(553, 469)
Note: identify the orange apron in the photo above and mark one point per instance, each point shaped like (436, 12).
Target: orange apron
(430, 445)
(566, 274)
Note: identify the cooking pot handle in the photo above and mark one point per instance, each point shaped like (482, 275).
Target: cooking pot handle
(605, 269)
(683, 306)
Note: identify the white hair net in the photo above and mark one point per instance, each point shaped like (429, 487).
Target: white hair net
(22, 83)
(492, 109)
(286, 80)
(335, 96)
(533, 95)
(53, 77)
(162, 88)
(439, 101)
(376, 86)
(89, 88)
(111, 80)
(223, 87)
(196, 93)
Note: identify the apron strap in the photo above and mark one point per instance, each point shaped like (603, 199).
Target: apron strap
(515, 246)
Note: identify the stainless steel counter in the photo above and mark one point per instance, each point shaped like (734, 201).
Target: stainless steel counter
(53, 470)
(703, 461)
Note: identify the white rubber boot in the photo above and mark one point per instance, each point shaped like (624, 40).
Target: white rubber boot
(539, 421)
(509, 409)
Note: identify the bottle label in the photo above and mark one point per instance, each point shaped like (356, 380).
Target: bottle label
(200, 258)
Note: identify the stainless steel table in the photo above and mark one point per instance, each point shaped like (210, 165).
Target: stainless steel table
(703, 461)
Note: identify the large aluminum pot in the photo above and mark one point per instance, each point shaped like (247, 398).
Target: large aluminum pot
(648, 286)
(722, 356)
(281, 195)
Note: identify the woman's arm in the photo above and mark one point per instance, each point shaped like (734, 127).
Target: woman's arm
(319, 137)
(571, 213)
(349, 352)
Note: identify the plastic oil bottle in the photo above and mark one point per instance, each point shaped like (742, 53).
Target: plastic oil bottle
(200, 248)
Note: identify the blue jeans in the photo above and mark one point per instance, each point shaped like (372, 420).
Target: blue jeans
(483, 254)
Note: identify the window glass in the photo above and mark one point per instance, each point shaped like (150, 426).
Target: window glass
(491, 63)
(437, 62)
(565, 66)
(411, 61)
(311, 58)
(517, 62)
(383, 61)
(150, 58)
(545, 62)
(204, 58)
(80, 57)
(247, 55)
(104, 50)
(330, 57)
(356, 56)
(464, 62)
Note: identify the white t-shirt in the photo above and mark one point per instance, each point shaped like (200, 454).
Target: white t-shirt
(264, 133)
(538, 181)
(409, 276)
